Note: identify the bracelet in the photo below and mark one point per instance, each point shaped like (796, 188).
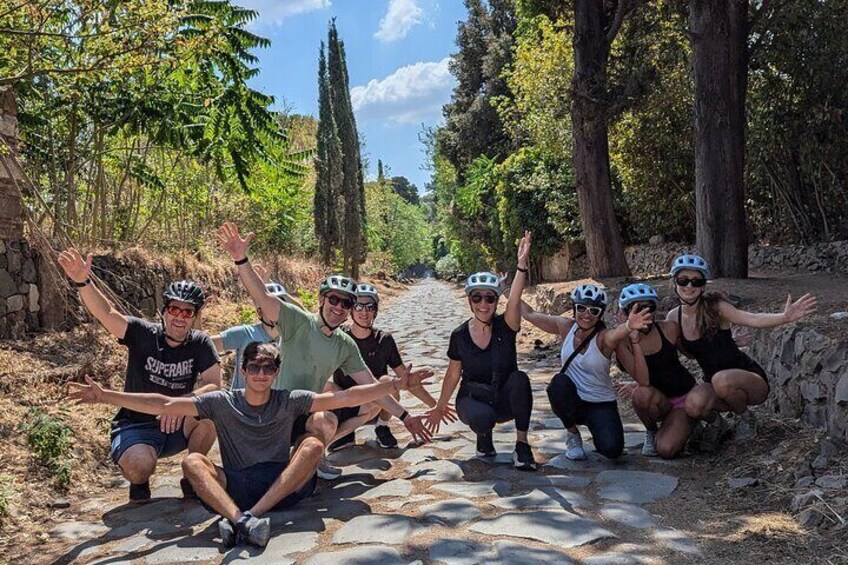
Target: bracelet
(627, 326)
(404, 416)
(82, 284)
(520, 270)
(241, 261)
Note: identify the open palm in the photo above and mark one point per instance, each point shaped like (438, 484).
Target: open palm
(77, 268)
(232, 242)
(524, 250)
(794, 311)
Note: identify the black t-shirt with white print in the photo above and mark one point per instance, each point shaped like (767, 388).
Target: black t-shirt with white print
(379, 351)
(155, 366)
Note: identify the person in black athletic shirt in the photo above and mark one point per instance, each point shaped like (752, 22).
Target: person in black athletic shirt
(483, 363)
(732, 380)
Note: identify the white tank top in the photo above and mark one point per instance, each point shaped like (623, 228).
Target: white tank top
(590, 370)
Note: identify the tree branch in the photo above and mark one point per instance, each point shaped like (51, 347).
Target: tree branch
(624, 7)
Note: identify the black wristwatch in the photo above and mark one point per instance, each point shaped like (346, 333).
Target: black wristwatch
(404, 416)
(82, 284)
(520, 270)
(241, 261)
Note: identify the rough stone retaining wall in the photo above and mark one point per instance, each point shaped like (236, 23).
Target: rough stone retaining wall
(19, 294)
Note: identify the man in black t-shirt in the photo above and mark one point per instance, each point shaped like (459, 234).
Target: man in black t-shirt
(380, 352)
(169, 358)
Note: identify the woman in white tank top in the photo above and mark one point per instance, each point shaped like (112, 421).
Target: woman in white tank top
(583, 393)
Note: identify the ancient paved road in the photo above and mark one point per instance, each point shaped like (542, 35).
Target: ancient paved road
(430, 504)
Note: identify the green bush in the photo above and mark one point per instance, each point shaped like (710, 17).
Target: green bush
(448, 267)
(49, 438)
(247, 315)
(309, 298)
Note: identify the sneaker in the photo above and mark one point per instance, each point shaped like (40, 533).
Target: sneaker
(574, 447)
(227, 533)
(385, 438)
(695, 436)
(649, 448)
(327, 471)
(344, 441)
(714, 433)
(253, 530)
(746, 426)
(485, 447)
(188, 490)
(140, 492)
(522, 457)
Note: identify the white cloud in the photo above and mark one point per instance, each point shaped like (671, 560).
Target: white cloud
(275, 11)
(401, 17)
(410, 94)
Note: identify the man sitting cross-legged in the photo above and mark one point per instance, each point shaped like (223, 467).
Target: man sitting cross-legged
(254, 426)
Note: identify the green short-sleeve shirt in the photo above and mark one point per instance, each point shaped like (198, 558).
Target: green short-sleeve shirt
(310, 357)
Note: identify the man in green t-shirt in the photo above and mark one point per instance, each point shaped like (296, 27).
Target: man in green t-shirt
(314, 347)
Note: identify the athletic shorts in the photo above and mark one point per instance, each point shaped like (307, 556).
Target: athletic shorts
(246, 486)
(127, 434)
(678, 401)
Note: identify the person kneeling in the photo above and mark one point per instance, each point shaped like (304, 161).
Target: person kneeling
(254, 423)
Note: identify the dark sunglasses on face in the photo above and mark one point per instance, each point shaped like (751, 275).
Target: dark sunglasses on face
(696, 282)
(593, 311)
(255, 368)
(181, 312)
(346, 303)
(368, 307)
(489, 298)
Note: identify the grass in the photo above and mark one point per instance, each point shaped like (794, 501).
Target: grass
(49, 439)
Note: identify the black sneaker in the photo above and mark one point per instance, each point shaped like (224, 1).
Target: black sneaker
(342, 442)
(385, 438)
(140, 492)
(522, 457)
(188, 490)
(227, 532)
(485, 447)
(253, 530)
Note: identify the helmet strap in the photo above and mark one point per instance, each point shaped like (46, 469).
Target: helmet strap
(324, 321)
(266, 322)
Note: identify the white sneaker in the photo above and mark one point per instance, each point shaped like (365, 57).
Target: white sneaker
(649, 448)
(746, 426)
(574, 446)
(327, 471)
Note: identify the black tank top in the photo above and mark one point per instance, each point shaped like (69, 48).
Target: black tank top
(717, 354)
(665, 373)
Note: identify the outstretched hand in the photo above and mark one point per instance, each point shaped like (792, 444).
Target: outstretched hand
(89, 393)
(415, 426)
(77, 268)
(438, 415)
(524, 250)
(640, 318)
(794, 311)
(231, 241)
(416, 378)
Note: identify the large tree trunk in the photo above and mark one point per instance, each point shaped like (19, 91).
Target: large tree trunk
(719, 30)
(604, 244)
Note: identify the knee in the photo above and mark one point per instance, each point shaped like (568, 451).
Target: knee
(697, 406)
(138, 463)
(667, 449)
(204, 428)
(325, 424)
(560, 387)
(193, 464)
(643, 398)
(610, 446)
(311, 448)
(722, 384)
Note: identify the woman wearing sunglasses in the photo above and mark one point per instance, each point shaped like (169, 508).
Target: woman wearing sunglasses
(652, 361)
(380, 352)
(732, 380)
(582, 392)
(484, 364)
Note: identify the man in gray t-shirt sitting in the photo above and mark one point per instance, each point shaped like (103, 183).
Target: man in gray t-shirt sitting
(254, 426)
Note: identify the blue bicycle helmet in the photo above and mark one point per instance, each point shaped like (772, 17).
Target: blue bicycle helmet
(692, 262)
(637, 292)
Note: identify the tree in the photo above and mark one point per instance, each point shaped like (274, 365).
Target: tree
(353, 237)
(329, 169)
(405, 189)
(381, 176)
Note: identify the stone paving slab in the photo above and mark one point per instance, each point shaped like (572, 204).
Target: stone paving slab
(628, 515)
(184, 550)
(549, 499)
(459, 551)
(638, 487)
(593, 462)
(367, 555)
(678, 541)
(435, 471)
(78, 531)
(453, 512)
(375, 528)
(475, 489)
(279, 547)
(511, 553)
(395, 488)
(559, 528)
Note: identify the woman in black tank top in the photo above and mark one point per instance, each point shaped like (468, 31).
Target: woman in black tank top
(732, 380)
(652, 361)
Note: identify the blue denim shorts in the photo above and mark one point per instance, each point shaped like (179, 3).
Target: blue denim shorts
(127, 434)
(246, 486)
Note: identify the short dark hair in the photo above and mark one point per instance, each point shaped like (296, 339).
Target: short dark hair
(259, 350)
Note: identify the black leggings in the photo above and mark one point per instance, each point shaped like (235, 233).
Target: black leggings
(515, 402)
(601, 418)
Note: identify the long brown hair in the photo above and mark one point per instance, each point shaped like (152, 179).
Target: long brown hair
(709, 319)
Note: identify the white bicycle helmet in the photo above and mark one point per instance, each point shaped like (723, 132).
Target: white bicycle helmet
(276, 289)
(483, 280)
(692, 262)
(637, 292)
(589, 294)
(369, 291)
(338, 282)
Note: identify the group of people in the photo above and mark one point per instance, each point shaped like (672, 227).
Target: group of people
(303, 383)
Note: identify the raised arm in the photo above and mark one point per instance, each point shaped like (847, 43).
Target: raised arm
(792, 312)
(232, 242)
(556, 325)
(632, 359)
(363, 394)
(79, 271)
(638, 319)
(147, 403)
(512, 315)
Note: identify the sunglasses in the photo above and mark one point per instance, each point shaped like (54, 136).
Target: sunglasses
(489, 298)
(696, 282)
(593, 311)
(368, 307)
(334, 300)
(255, 369)
(184, 313)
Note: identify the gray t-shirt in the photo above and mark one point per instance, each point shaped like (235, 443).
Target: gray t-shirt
(249, 434)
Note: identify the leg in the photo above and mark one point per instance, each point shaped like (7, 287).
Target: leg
(200, 435)
(701, 402)
(321, 425)
(565, 402)
(300, 470)
(604, 422)
(138, 463)
(672, 435)
(210, 484)
(367, 412)
(739, 389)
(650, 405)
(516, 402)
(479, 416)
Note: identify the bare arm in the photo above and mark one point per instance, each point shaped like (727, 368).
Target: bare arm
(792, 312)
(147, 403)
(218, 342)
(449, 383)
(512, 314)
(556, 325)
(79, 271)
(632, 359)
(638, 319)
(208, 381)
(418, 391)
(388, 403)
(355, 395)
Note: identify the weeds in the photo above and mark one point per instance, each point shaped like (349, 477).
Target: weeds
(309, 298)
(49, 438)
(7, 492)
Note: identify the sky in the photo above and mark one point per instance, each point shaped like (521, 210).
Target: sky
(397, 58)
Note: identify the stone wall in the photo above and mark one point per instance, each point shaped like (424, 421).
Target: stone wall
(831, 257)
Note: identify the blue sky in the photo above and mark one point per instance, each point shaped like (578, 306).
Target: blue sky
(397, 56)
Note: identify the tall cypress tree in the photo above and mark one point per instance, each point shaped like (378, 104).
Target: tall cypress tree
(353, 184)
(329, 173)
